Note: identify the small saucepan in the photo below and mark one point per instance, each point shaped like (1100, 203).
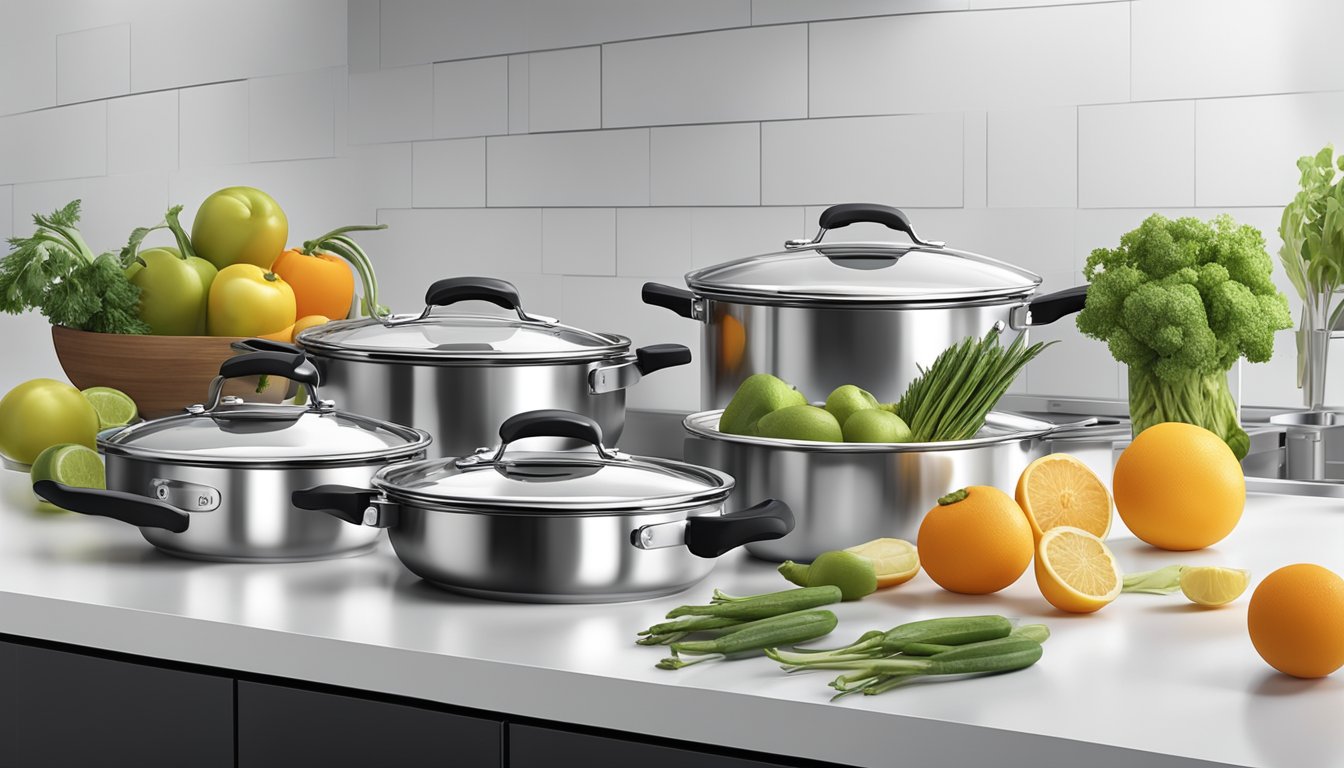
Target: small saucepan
(554, 526)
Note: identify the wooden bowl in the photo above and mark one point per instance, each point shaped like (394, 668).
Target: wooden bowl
(162, 374)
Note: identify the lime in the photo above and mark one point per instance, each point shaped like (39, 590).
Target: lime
(115, 408)
(854, 574)
(1213, 586)
(70, 464)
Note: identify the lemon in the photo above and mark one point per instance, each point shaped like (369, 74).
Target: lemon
(114, 407)
(896, 561)
(1213, 586)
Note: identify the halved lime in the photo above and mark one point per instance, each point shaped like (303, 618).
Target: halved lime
(70, 464)
(115, 408)
(1213, 586)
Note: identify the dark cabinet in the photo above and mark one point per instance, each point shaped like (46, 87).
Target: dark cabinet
(533, 747)
(286, 727)
(69, 709)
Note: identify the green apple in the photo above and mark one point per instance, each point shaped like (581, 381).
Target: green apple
(847, 400)
(876, 426)
(759, 395)
(800, 422)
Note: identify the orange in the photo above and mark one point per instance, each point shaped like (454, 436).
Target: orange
(1075, 571)
(306, 322)
(1059, 490)
(896, 561)
(1178, 486)
(732, 342)
(975, 541)
(1296, 620)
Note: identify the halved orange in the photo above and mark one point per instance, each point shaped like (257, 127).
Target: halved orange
(1075, 571)
(1060, 490)
(895, 560)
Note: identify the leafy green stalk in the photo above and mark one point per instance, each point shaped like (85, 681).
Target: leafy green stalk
(1162, 581)
(1312, 230)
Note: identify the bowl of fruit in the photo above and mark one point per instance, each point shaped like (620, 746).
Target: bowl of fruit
(156, 322)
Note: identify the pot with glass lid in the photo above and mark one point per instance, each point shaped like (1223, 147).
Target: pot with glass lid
(215, 482)
(823, 314)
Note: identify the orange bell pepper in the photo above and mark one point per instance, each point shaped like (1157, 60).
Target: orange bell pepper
(323, 284)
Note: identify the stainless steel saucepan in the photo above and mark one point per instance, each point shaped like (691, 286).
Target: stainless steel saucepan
(460, 375)
(553, 526)
(822, 314)
(844, 494)
(215, 483)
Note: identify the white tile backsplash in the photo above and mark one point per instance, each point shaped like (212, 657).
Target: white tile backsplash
(6, 212)
(142, 133)
(471, 98)
(518, 93)
(110, 206)
(60, 143)
(93, 63)
(975, 160)
(565, 90)
(740, 74)
(392, 105)
(1033, 158)
(448, 174)
(213, 124)
(1136, 155)
(912, 160)
(727, 234)
(653, 241)
(291, 117)
(362, 44)
(578, 241)
(706, 165)
(588, 168)
(1202, 48)
(975, 60)
(784, 11)
(1246, 149)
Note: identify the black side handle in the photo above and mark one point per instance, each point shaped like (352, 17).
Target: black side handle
(295, 367)
(454, 289)
(843, 215)
(343, 501)
(140, 511)
(551, 422)
(678, 300)
(266, 345)
(656, 357)
(1052, 306)
(712, 535)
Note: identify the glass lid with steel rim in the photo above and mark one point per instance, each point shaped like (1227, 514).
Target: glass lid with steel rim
(482, 338)
(527, 482)
(229, 431)
(809, 271)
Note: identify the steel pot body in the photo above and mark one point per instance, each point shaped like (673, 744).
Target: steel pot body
(843, 494)
(242, 514)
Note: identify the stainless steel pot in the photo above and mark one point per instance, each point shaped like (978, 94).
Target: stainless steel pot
(819, 315)
(460, 375)
(844, 494)
(215, 482)
(554, 526)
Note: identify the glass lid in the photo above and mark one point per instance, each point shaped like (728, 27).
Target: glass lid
(264, 434)
(460, 337)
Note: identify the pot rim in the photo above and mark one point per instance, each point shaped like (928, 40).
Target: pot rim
(417, 440)
(1012, 427)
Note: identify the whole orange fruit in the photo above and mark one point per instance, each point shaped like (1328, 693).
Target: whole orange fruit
(1178, 486)
(1296, 620)
(975, 541)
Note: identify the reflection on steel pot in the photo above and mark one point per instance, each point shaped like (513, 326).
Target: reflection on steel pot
(819, 315)
(554, 526)
(215, 482)
(844, 494)
(460, 375)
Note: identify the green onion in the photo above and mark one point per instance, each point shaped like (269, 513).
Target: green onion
(751, 639)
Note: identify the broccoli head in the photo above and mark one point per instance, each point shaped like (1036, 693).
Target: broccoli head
(1179, 302)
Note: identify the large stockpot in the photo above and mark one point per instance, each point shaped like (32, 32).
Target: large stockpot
(459, 376)
(820, 315)
(215, 483)
(554, 526)
(843, 494)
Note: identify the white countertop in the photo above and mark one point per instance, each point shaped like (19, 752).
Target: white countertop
(1148, 674)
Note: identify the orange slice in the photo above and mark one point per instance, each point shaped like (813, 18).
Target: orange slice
(1060, 490)
(895, 560)
(1075, 571)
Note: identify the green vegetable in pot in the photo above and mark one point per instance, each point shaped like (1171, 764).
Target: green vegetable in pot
(1179, 302)
(853, 574)
(800, 422)
(847, 400)
(759, 395)
(56, 272)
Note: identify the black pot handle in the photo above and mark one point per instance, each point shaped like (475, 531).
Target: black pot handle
(451, 290)
(343, 501)
(266, 345)
(844, 214)
(678, 300)
(140, 511)
(712, 535)
(656, 357)
(1052, 306)
(295, 367)
(550, 422)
